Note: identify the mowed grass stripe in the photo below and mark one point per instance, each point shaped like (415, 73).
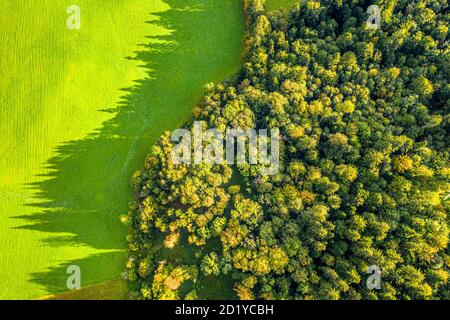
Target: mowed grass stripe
(280, 4)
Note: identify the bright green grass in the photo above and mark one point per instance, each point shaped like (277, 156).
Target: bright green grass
(70, 139)
(280, 4)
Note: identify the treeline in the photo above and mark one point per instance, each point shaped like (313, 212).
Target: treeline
(364, 176)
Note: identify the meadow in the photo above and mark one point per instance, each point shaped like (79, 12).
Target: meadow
(280, 4)
(358, 209)
(80, 109)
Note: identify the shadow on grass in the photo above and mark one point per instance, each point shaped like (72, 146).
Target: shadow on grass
(88, 184)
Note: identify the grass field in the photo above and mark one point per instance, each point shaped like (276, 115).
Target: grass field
(79, 109)
(115, 289)
(279, 4)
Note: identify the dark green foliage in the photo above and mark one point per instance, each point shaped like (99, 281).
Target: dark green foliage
(364, 179)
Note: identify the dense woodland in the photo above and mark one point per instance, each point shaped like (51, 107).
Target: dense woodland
(364, 177)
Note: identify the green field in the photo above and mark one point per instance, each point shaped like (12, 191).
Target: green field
(79, 109)
(278, 4)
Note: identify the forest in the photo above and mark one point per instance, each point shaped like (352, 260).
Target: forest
(364, 168)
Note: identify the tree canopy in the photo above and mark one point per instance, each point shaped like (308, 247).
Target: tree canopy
(364, 173)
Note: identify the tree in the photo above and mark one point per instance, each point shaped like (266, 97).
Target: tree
(363, 169)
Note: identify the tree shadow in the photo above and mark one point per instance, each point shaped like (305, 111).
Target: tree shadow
(87, 186)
